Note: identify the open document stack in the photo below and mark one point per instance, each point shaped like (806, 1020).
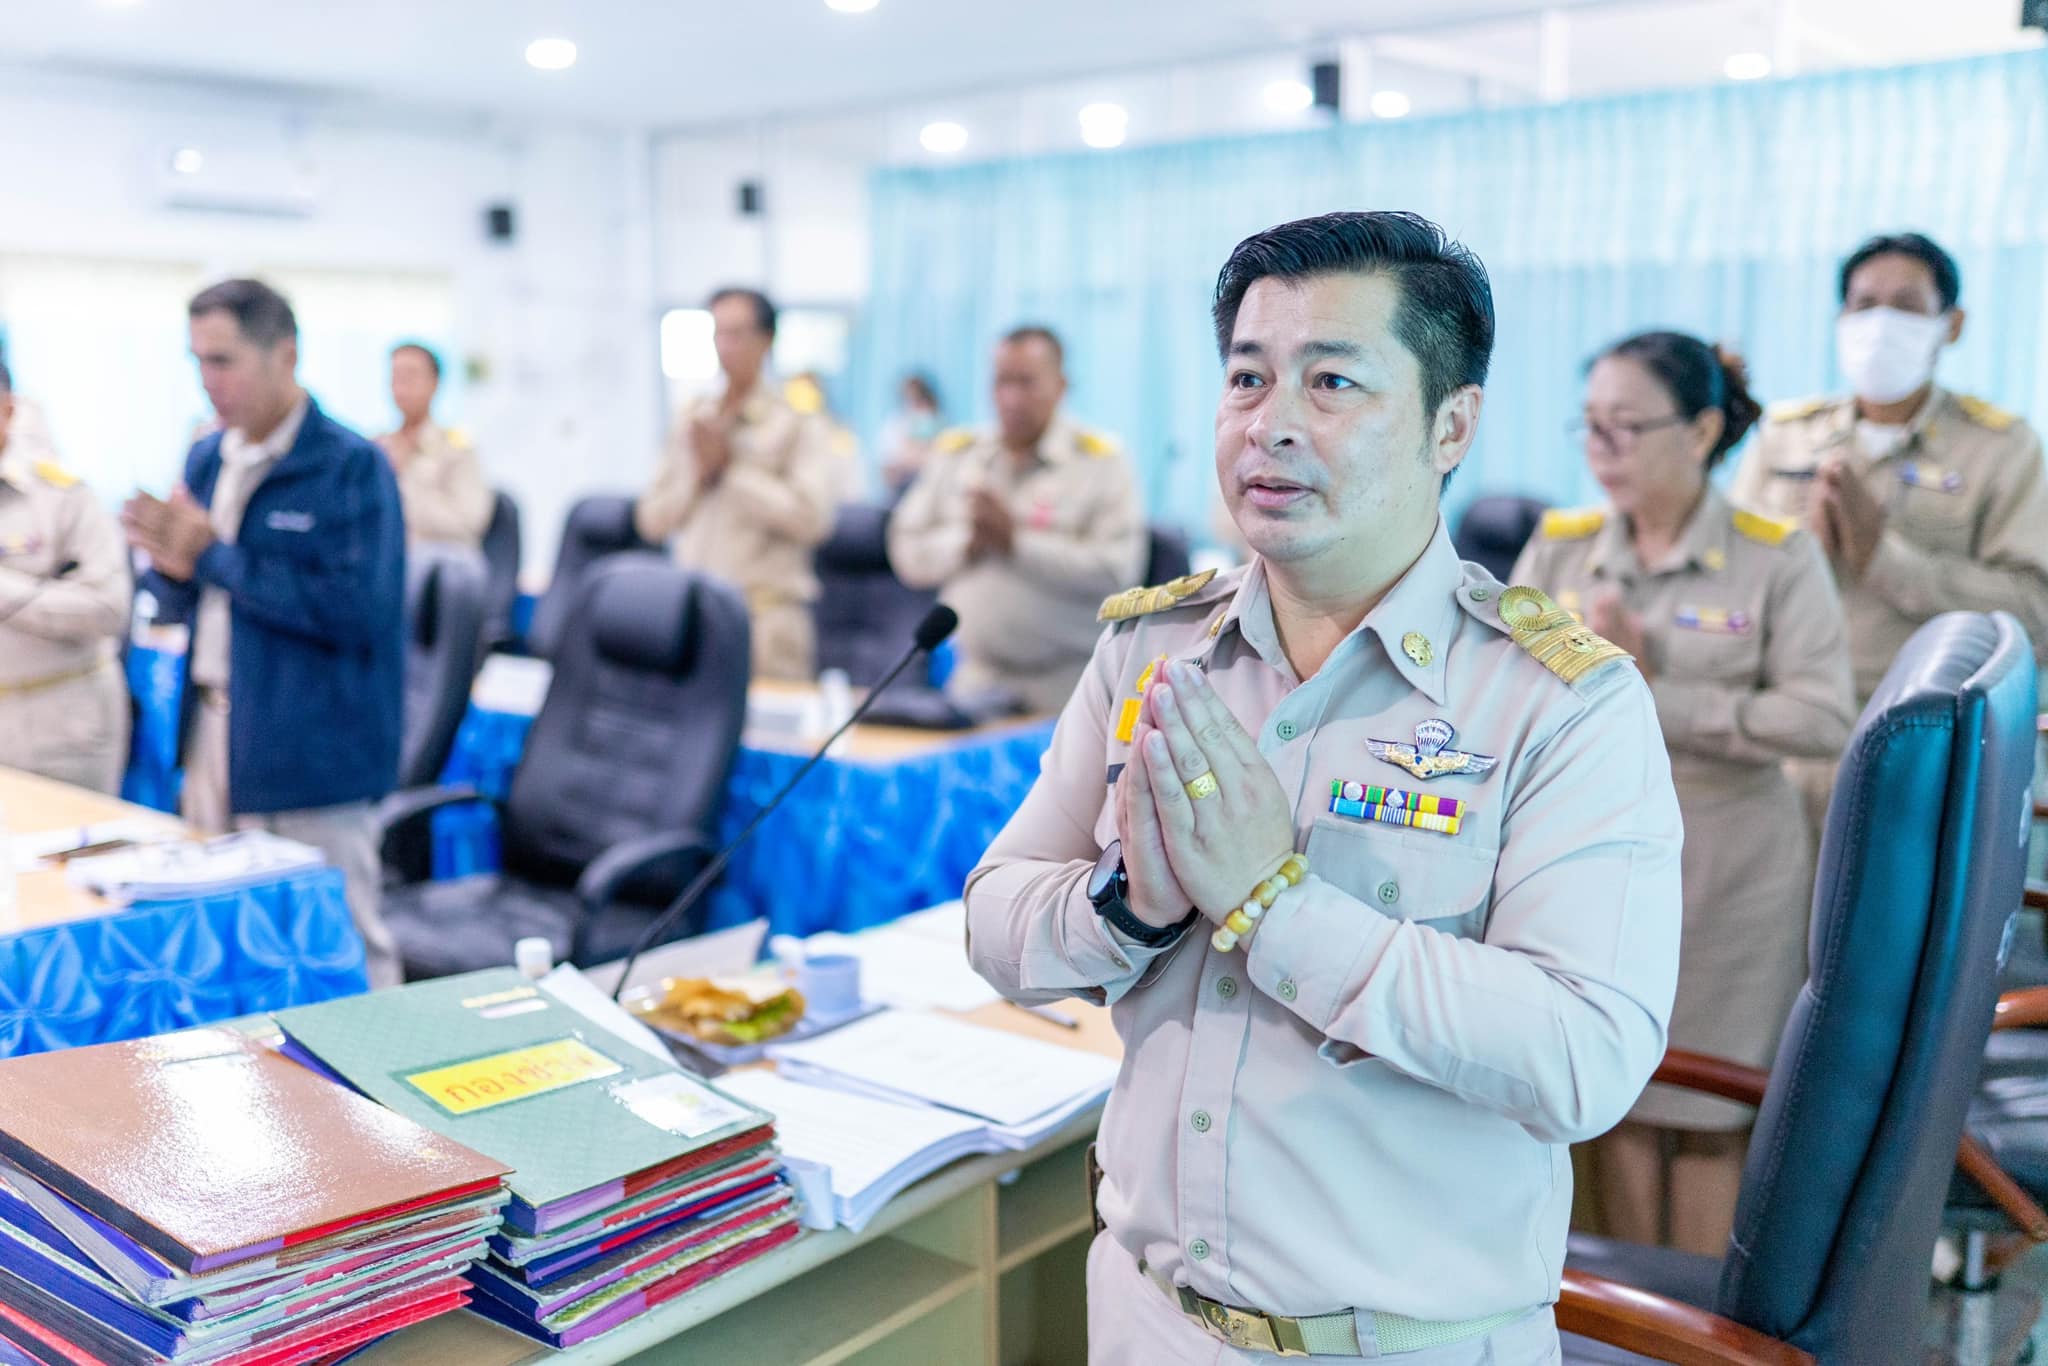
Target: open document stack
(633, 1181)
(195, 1198)
(865, 1110)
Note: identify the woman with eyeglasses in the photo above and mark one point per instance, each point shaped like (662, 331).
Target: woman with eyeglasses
(1734, 620)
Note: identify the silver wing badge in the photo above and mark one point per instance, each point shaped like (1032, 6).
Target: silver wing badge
(1429, 757)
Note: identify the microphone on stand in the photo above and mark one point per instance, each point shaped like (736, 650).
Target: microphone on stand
(936, 626)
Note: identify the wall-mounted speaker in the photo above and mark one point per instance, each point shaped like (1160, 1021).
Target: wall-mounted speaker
(501, 223)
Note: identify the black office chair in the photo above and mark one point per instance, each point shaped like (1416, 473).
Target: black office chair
(614, 805)
(597, 527)
(1860, 1119)
(865, 615)
(444, 608)
(501, 571)
(1166, 556)
(1494, 528)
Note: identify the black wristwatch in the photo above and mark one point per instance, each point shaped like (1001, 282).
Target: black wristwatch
(1108, 889)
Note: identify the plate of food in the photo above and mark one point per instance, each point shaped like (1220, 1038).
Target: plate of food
(732, 1020)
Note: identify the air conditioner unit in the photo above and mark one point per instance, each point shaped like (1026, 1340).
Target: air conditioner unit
(233, 168)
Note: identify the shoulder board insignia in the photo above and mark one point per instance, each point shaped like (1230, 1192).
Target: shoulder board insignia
(1572, 524)
(954, 441)
(1768, 530)
(1793, 410)
(1555, 637)
(1988, 415)
(1093, 446)
(1141, 602)
(54, 474)
(458, 438)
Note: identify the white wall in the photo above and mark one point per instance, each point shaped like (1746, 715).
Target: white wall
(560, 325)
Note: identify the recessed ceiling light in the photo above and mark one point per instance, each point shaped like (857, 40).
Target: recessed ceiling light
(851, 6)
(1103, 125)
(551, 54)
(1390, 104)
(188, 161)
(1747, 66)
(1288, 97)
(943, 137)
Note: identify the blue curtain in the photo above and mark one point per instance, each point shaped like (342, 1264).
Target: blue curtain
(1722, 211)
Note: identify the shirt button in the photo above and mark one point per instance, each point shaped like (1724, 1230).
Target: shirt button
(1390, 892)
(1199, 1120)
(1285, 730)
(1198, 1249)
(1287, 990)
(1122, 966)
(1481, 594)
(1227, 988)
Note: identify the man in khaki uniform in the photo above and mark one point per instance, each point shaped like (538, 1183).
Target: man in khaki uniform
(1925, 501)
(1024, 528)
(64, 602)
(747, 489)
(1341, 1127)
(440, 480)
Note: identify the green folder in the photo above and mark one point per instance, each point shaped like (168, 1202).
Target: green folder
(492, 1060)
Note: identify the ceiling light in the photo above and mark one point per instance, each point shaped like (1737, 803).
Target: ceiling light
(851, 6)
(1390, 104)
(1288, 97)
(551, 54)
(188, 161)
(1103, 125)
(1747, 66)
(943, 137)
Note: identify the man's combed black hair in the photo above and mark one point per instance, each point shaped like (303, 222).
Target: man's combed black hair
(1445, 318)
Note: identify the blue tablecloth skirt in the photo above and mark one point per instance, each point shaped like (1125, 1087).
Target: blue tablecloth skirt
(166, 965)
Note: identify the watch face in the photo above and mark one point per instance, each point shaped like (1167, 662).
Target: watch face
(1105, 883)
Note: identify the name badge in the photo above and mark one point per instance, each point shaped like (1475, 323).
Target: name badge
(1715, 621)
(1919, 474)
(289, 521)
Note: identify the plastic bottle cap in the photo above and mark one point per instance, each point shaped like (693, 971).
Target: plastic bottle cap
(533, 956)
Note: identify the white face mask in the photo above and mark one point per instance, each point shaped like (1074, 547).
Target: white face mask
(1887, 353)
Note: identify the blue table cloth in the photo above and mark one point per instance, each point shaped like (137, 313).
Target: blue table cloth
(165, 965)
(859, 843)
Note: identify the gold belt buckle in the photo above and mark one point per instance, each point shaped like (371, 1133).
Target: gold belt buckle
(1245, 1328)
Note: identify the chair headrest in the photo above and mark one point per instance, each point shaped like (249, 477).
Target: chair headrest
(859, 539)
(424, 618)
(643, 616)
(604, 522)
(1501, 516)
(429, 572)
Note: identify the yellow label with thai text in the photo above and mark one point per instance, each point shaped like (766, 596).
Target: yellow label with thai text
(465, 1087)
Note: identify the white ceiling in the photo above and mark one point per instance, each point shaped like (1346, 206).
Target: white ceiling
(681, 62)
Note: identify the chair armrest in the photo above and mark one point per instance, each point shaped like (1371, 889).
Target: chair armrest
(1714, 1076)
(2036, 896)
(2026, 1008)
(1639, 1321)
(605, 874)
(401, 809)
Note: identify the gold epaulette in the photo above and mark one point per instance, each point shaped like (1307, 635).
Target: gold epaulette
(54, 474)
(458, 437)
(1557, 640)
(1095, 447)
(1572, 524)
(1767, 530)
(1795, 409)
(1141, 602)
(1988, 415)
(953, 441)
(804, 396)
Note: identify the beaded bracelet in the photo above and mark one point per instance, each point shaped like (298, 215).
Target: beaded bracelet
(1239, 924)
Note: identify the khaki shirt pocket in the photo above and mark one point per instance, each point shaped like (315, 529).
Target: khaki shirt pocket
(1712, 652)
(1937, 512)
(1406, 874)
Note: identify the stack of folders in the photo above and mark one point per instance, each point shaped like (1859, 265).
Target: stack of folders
(633, 1181)
(195, 1198)
(864, 1111)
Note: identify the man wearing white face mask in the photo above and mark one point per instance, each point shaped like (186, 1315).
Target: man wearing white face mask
(1926, 501)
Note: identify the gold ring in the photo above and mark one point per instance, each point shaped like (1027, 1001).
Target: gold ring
(1204, 786)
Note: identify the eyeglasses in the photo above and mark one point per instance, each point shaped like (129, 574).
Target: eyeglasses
(1619, 436)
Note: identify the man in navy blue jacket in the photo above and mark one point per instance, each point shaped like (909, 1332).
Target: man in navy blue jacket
(284, 548)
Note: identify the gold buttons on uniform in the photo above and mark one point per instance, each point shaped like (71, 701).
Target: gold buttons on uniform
(1417, 647)
(1714, 559)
